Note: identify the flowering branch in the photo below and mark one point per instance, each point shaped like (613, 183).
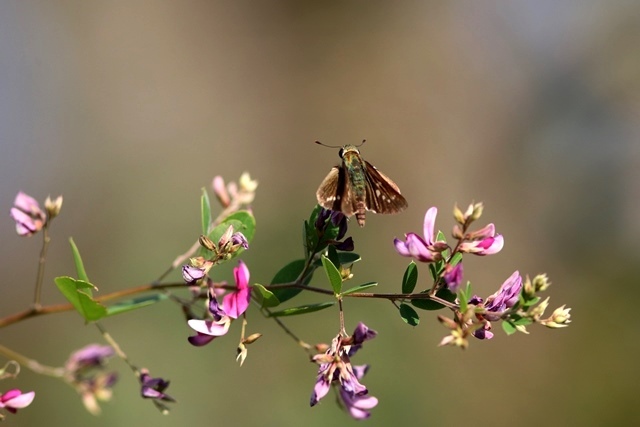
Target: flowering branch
(210, 308)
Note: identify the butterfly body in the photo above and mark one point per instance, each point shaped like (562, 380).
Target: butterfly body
(357, 186)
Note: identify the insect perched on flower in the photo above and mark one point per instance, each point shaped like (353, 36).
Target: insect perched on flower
(357, 186)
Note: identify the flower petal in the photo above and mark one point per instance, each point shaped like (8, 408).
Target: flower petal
(208, 327)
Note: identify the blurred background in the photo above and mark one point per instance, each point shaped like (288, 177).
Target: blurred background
(127, 109)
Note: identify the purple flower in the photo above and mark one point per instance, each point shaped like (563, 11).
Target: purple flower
(506, 297)
(192, 274)
(483, 242)
(234, 304)
(207, 330)
(91, 356)
(14, 399)
(358, 406)
(484, 332)
(427, 249)
(361, 334)
(453, 277)
(85, 371)
(153, 388)
(27, 214)
(336, 218)
(335, 368)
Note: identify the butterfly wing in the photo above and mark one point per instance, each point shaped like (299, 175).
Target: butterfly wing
(382, 194)
(334, 192)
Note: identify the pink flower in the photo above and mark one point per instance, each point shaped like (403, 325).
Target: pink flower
(15, 399)
(427, 249)
(234, 305)
(237, 302)
(484, 242)
(27, 214)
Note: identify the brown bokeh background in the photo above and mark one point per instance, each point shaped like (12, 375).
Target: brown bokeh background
(129, 108)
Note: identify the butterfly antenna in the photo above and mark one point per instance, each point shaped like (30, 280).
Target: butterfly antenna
(329, 146)
(362, 143)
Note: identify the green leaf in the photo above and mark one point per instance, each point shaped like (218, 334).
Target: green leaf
(287, 274)
(360, 288)
(265, 296)
(303, 309)
(455, 259)
(409, 315)
(464, 294)
(332, 254)
(509, 327)
(410, 278)
(523, 321)
(333, 274)
(205, 210)
(348, 258)
(134, 304)
(82, 274)
(440, 237)
(77, 292)
(426, 304)
(241, 221)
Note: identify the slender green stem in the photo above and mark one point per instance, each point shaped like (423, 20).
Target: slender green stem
(41, 264)
(108, 338)
(31, 364)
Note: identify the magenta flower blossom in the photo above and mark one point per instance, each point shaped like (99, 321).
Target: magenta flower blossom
(422, 249)
(237, 302)
(484, 242)
(27, 214)
(335, 368)
(14, 399)
(234, 304)
(358, 406)
(506, 297)
(453, 277)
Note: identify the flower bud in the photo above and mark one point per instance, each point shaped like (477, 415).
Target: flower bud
(538, 311)
(448, 323)
(53, 206)
(541, 282)
(457, 232)
(561, 315)
(220, 190)
(206, 242)
(252, 338)
(458, 215)
(559, 319)
(477, 211)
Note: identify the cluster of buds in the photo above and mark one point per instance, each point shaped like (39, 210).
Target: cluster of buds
(484, 241)
(86, 371)
(28, 215)
(228, 244)
(242, 193)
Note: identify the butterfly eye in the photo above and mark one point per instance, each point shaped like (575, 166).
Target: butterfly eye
(341, 152)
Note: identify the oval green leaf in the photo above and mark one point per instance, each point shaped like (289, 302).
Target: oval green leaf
(303, 309)
(265, 296)
(409, 315)
(410, 278)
